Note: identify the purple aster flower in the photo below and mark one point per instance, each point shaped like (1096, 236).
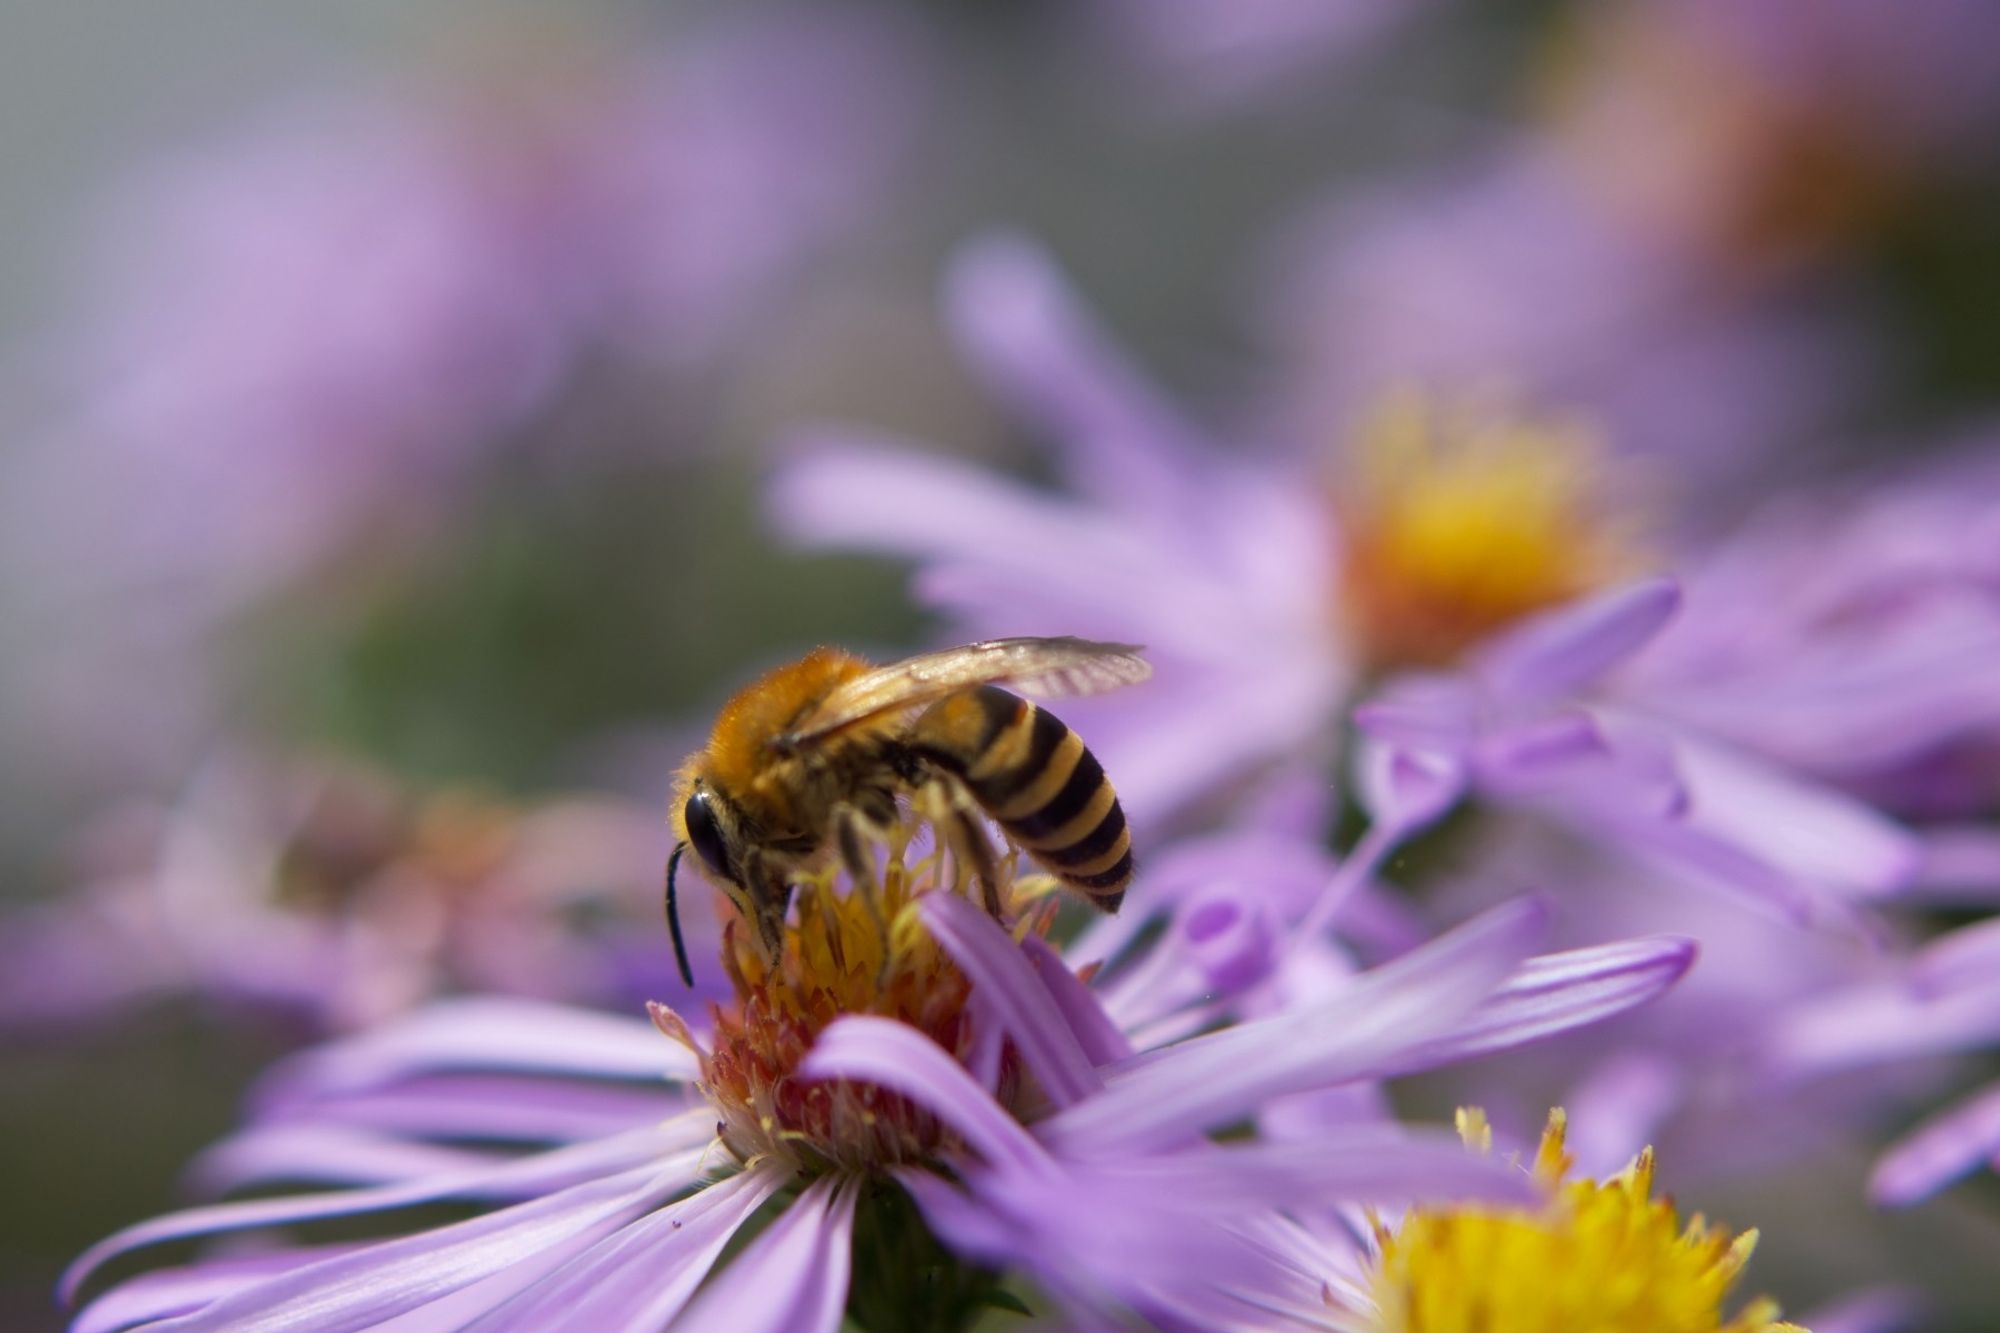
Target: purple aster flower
(1512, 270)
(1268, 604)
(951, 1062)
(325, 891)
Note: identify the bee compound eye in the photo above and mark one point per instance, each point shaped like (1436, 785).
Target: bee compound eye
(705, 834)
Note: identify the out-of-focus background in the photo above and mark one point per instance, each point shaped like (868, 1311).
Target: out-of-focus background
(387, 388)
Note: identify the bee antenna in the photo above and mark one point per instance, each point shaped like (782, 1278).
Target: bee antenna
(674, 917)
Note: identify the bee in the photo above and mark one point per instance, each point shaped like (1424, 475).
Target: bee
(818, 752)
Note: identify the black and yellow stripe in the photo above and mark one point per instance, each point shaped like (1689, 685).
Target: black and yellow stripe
(1036, 779)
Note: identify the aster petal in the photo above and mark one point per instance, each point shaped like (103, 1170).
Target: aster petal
(515, 1110)
(641, 1276)
(793, 1277)
(896, 1056)
(1006, 986)
(368, 1286)
(1961, 864)
(1430, 712)
(1620, 1104)
(1025, 331)
(1810, 832)
(1407, 789)
(526, 1036)
(1378, 1165)
(1939, 1151)
(1162, 1096)
(1100, 1038)
(1871, 1310)
(1558, 652)
(1105, 1248)
(879, 493)
(1556, 992)
(1884, 1021)
(557, 1169)
(1966, 958)
(332, 1153)
(326, 1155)
(168, 1292)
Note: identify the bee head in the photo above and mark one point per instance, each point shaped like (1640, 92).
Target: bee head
(702, 820)
(704, 833)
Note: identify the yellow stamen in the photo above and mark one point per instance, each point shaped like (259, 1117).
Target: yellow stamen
(1604, 1256)
(838, 959)
(1459, 518)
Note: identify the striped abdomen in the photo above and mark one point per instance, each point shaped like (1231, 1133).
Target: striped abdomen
(1033, 775)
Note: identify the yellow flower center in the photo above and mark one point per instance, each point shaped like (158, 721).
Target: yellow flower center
(1458, 520)
(1600, 1255)
(842, 955)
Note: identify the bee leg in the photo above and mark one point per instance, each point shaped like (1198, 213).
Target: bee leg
(968, 842)
(770, 896)
(859, 860)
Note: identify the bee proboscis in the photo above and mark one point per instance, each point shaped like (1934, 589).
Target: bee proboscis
(817, 752)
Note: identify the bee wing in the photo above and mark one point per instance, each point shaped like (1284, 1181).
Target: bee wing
(1049, 668)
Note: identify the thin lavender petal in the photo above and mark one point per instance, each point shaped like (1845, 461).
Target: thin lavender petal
(521, 1110)
(168, 1292)
(1960, 864)
(898, 1057)
(559, 1168)
(1100, 1038)
(371, 1285)
(1558, 652)
(1006, 987)
(1378, 1165)
(1024, 329)
(1875, 1310)
(1163, 1096)
(1939, 1151)
(1557, 992)
(1407, 789)
(793, 1278)
(1883, 1021)
(1619, 1107)
(326, 1155)
(1967, 958)
(1812, 833)
(524, 1036)
(641, 1276)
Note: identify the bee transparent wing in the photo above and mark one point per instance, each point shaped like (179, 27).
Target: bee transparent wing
(1046, 668)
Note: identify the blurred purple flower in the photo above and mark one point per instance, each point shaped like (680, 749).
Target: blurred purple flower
(1531, 724)
(324, 891)
(1509, 271)
(1267, 604)
(1943, 999)
(1208, 54)
(1776, 130)
(1069, 1155)
(1847, 629)
(303, 340)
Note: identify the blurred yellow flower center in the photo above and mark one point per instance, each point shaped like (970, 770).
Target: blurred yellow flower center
(1458, 520)
(838, 959)
(1603, 1256)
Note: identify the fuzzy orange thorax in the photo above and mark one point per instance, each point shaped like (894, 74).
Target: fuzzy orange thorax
(739, 749)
